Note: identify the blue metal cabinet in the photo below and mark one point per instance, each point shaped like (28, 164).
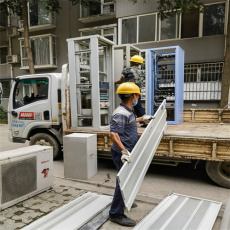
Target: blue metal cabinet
(166, 81)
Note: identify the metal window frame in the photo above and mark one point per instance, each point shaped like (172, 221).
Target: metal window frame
(51, 65)
(102, 4)
(177, 29)
(131, 175)
(137, 17)
(198, 84)
(111, 26)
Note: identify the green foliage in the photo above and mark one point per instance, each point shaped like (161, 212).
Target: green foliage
(50, 5)
(3, 115)
(168, 7)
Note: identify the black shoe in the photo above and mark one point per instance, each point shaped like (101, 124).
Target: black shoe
(144, 126)
(134, 205)
(122, 220)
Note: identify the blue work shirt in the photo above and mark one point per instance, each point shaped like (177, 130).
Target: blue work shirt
(123, 122)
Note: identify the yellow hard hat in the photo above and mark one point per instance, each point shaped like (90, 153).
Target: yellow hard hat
(128, 88)
(137, 59)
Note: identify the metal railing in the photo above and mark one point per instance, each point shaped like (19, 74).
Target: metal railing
(201, 81)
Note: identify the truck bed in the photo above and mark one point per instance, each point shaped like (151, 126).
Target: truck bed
(188, 140)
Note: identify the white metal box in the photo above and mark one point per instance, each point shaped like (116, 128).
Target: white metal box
(25, 172)
(80, 155)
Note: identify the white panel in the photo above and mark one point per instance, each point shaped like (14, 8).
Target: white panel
(131, 175)
(204, 213)
(80, 155)
(74, 214)
(14, 163)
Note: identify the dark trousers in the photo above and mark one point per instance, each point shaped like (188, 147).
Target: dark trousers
(117, 206)
(139, 110)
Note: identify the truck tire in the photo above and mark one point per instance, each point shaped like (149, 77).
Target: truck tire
(219, 172)
(46, 140)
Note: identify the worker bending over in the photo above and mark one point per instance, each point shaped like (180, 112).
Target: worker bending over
(124, 135)
(136, 75)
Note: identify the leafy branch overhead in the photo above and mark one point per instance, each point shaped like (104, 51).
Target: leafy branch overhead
(50, 5)
(166, 8)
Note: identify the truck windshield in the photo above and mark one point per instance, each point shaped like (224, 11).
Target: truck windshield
(29, 91)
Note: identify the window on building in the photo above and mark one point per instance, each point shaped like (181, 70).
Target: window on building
(3, 53)
(147, 28)
(6, 88)
(43, 50)
(214, 18)
(129, 31)
(103, 7)
(3, 20)
(38, 16)
(108, 32)
(169, 27)
(190, 25)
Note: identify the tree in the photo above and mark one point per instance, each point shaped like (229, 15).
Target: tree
(19, 7)
(166, 7)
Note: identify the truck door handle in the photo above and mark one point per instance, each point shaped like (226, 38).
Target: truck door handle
(15, 114)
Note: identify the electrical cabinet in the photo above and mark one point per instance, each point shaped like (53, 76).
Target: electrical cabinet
(91, 82)
(80, 158)
(166, 81)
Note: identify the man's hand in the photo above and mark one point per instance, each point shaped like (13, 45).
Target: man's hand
(147, 118)
(126, 156)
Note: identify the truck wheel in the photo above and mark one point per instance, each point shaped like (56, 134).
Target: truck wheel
(219, 172)
(46, 140)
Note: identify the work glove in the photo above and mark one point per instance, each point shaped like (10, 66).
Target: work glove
(147, 118)
(126, 156)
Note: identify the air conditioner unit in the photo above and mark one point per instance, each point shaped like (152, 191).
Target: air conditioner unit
(12, 58)
(12, 31)
(25, 172)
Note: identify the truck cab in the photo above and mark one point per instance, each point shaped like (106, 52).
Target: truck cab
(35, 110)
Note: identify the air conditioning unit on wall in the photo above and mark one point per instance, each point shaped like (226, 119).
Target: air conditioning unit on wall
(12, 31)
(12, 59)
(25, 172)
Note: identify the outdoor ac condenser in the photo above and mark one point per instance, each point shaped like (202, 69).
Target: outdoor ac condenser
(25, 172)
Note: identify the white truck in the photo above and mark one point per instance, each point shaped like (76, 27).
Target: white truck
(44, 107)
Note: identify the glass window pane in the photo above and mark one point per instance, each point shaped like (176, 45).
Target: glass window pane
(190, 25)
(108, 9)
(30, 91)
(214, 17)
(169, 27)
(38, 14)
(147, 28)
(3, 53)
(129, 30)
(95, 8)
(109, 37)
(41, 51)
(108, 31)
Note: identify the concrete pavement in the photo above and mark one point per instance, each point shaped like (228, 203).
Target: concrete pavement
(159, 181)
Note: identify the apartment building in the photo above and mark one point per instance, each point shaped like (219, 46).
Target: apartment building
(201, 35)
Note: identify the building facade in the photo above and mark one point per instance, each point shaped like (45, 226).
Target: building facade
(201, 35)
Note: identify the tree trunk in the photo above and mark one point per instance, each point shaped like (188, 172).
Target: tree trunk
(226, 73)
(26, 36)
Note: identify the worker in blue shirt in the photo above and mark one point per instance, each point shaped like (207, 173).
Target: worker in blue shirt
(136, 75)
(124, 135)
